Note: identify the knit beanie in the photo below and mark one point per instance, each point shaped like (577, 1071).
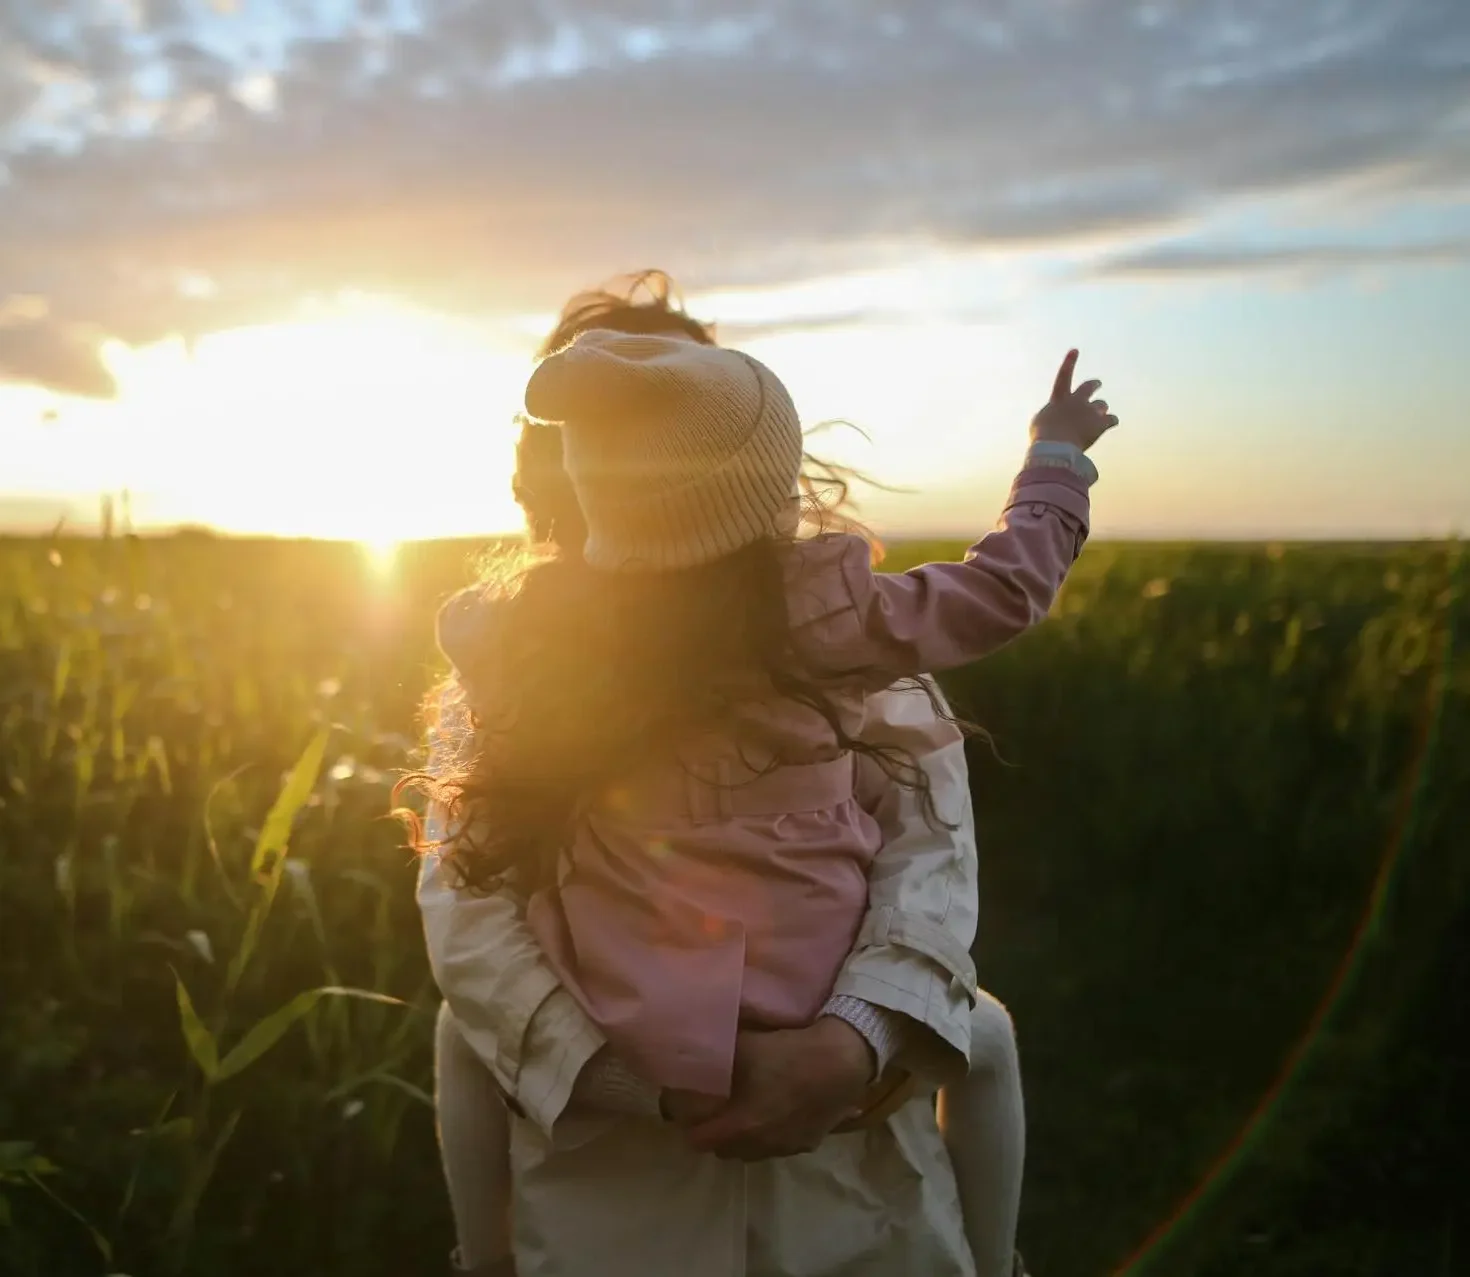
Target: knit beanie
(680, 453)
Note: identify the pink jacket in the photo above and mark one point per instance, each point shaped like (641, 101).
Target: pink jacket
(700, 896)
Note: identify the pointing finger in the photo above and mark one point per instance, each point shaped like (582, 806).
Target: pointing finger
(1063, 385)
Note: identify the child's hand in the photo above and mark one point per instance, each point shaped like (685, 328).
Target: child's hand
(689, 1108)
(1073, 416)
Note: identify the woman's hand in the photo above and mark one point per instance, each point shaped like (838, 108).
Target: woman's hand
(1073, 416)
(791, 1088)
(689, 1108)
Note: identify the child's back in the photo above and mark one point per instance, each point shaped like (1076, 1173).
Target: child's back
(720, 882)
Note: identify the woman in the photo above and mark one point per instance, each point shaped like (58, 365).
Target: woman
(877, 1200)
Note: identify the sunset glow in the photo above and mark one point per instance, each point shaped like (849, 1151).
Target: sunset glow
(369, 420)
(363, 420)
(282, 267)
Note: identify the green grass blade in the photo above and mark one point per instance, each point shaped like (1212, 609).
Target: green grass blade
(267, 1032)
(160, 1126)
(212, 842)
(199, 1039)
(181, 1223)
(104, 1247)
(275, 834)
(268, 861)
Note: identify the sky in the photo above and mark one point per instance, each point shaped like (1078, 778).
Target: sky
(280, 265)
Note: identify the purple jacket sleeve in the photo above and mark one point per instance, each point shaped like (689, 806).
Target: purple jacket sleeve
(944, 615)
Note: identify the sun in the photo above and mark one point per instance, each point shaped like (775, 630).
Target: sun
(380, 554)
(362, 421)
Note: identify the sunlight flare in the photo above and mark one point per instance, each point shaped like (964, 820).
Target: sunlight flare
(381, 555)
(362, 420)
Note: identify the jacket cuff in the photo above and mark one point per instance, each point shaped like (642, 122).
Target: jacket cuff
(909, 965)
(560, 1040)
(937, 1050)
(1053, 486)
(1063, 456)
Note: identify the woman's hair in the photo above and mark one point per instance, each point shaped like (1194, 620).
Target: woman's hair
(646, 303)
(581, 674)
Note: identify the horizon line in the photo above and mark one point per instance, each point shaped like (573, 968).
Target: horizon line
(63, 531)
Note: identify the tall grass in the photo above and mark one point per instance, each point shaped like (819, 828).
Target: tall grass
(214, 1004)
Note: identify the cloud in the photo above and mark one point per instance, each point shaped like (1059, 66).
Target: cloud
(55, 356)
(489, 158)
(1166, 260)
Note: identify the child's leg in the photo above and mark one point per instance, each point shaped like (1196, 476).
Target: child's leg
(984, 1123)
(474, 1143)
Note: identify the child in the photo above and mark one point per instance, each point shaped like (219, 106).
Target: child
(692, 695)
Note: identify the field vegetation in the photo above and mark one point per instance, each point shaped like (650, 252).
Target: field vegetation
(1225, 863)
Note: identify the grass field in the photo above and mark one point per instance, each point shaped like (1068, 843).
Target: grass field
(1224, 877)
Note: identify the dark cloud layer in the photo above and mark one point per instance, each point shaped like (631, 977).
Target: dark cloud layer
(1188, 259)
(169, 169)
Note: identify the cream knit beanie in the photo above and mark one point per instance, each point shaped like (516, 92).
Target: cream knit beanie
(680, 453)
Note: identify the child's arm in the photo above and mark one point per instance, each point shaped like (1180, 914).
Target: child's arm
(943, 615)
